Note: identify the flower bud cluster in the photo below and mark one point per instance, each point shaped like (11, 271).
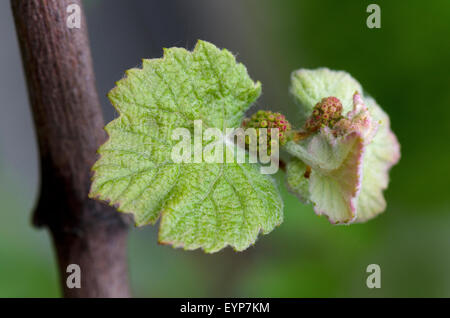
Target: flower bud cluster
(268, 120)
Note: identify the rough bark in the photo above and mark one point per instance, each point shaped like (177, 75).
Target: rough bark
(69, 126)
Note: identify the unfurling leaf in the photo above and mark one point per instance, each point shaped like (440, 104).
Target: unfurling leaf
(202, 205)
(308, 87)
(342, 162)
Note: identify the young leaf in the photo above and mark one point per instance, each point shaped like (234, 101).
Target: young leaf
(349, 156)
(202, 205)
(381, 154)
(309, 86)
(335, 178)
(297, 179)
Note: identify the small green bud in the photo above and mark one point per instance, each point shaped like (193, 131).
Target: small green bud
(268, 119)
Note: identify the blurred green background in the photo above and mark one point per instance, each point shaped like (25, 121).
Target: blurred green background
(405, 65)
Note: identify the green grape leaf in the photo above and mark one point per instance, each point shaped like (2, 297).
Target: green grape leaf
(349, 160)
(202, 205)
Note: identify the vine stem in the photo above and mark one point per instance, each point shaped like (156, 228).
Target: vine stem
(282, 165)
(69, 126)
